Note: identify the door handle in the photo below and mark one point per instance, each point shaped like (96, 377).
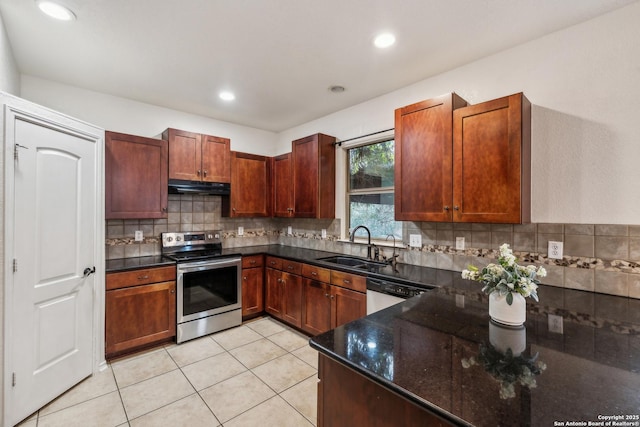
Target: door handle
(88, 271)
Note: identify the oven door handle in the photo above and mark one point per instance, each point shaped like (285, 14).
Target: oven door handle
(208, 265)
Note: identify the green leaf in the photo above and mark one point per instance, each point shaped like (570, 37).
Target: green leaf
(509, 298)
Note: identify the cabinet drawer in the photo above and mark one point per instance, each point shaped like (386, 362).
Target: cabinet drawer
(140, 277)
(291, 267)
(349, 281)
(252, 261)
(275, 263)
(316, 273)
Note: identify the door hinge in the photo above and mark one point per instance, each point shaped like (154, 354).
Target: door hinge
(13, 380)
(15, 265)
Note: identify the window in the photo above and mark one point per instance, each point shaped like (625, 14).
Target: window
(370, 189)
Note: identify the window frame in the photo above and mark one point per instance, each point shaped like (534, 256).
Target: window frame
(378, 190)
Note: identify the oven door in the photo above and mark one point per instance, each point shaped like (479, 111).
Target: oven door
(208, 287)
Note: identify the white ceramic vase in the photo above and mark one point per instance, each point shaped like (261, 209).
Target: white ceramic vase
(503, 338)
(510, 315)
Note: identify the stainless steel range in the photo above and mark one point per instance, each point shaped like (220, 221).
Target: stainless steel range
(209, 297)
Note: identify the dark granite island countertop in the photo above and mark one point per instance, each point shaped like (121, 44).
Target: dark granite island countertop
(440, 351)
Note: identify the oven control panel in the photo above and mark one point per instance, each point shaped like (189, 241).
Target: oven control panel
(189, 238)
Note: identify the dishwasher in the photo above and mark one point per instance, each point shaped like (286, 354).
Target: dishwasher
(383, 293)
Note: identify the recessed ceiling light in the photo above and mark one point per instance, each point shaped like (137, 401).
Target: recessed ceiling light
(227, 96)
(384, 40)
(337, 89)
(56, 10)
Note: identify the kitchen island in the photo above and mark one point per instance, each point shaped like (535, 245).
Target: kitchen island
(442, 362)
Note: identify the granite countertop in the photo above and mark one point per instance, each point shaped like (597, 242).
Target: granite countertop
(441, 351)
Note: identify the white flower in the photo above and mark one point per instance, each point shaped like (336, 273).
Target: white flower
(541, 272)
(507, 391)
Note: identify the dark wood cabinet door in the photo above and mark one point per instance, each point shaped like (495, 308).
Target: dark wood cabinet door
(252, 291)
(346, 305)
(292, 299)
(185, 154)
(273, 292)
(250, 184)
(316, 310)
(216, 159)
(139, 315)
(492, 161)
(282, 186)
(423, 159)
(135, 177)
(314, 176)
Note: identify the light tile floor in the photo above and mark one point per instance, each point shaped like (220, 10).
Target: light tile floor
(259, 374)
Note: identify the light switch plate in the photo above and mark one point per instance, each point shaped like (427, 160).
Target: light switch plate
(289, 230)
(324, 233)
(138, 236)
(240, 231)
(415, 240)
(460, 243)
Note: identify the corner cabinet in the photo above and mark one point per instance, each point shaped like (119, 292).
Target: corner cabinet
(198, 157)
(140, 309)
(464, 163)
(492, 161)
(283, 290)
(423, 158)
(135, 177)
(314, 176)
(250, 184)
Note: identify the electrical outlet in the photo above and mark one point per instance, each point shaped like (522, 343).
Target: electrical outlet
(324, 233)
(138, 236)
(460, 243)
(555, 324)
(555, 250)
(240, 231)
(415, 240)
(459, 301)
(289, 230)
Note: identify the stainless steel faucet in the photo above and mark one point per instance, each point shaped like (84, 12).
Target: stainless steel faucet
(353, 235)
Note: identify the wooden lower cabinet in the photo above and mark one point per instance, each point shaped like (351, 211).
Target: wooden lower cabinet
(252, 286)
(327, 306)
(348, 398)
(140, 310)
(284, 293)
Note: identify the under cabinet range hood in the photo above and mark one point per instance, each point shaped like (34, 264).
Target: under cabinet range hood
(180, 186)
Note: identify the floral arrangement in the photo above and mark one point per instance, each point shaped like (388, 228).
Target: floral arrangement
(507, 368)
(507, 276)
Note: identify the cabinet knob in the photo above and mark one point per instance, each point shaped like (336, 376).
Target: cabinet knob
(204, 173)
(172, 291)
(244, 278)
(446, 208)
(313, 273)
(346, 281)
(198, 172)
(143, 277)
(253, 261)
(289, 267)
(326, 295)
(456, 208)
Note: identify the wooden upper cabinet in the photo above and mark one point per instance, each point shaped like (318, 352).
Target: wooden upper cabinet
(281, 185)
(492, 161)
(250, 186)
(314, 174)
(423, 159)
(197, 157)
(216, 159)
(135, 177)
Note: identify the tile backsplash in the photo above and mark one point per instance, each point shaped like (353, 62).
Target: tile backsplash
(603, 258)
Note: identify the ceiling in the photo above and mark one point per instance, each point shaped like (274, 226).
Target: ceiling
(278, 56)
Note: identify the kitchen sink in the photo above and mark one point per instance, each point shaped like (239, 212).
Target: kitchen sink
(355, 262)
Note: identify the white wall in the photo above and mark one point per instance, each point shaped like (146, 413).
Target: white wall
(584, 84)
(9, 74)
(124, 115)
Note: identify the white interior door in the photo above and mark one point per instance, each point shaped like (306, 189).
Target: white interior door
(51, 306)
